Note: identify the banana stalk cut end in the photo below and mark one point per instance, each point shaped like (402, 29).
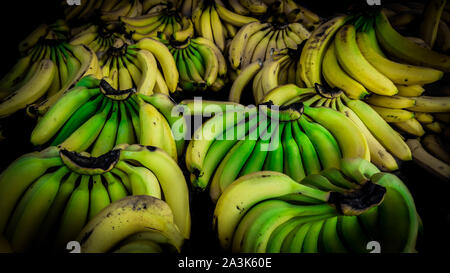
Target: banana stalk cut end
(88, 165)
(115, 94)
(358, 201)
(328, 93)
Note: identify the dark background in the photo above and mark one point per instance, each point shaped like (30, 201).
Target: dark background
(21, 17)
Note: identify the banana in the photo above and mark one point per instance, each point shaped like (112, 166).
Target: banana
(397, 72)
(98, 197)
(310, 62)
(143, 181)
(430, 104)
(107, 138)
(125, 131)
(75, 214)
(128, 216)
(233, 18)
(430, 23)
(284, 93)
(170, 177)
(436, 147)
(32, 208)
(398, 46)
(31, 91)
(411, 126)
(393, 115)
(205, 24)
(139, 246)
(396, 102)
(428, 161)
(424, 118)
(356, 65)
(329, 237)
(336, 77)
(410, 90)
(14, 75)
(239, 42)
(351, 141)
(398, 227)
(125, 80)
(309, 155)
(380, 129)
(115, 187)
(274, 160)
(220, 58)
(165, 59)
(293, 165)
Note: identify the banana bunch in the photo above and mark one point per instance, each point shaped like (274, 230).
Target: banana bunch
(125, 67)
(48, 197)
(98, 37)
(256, 40)
(385, 143)
(334, 211)
(167, 20)
(133, 224)
(215, 22)
(298, 140)
(95, 117)
(129, 8)
(200, 63)
(351, 53)
(279, 68)
(41, 75)
(432, 153)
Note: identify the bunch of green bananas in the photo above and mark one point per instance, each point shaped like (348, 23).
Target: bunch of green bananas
(279, 68)
(167, 21)
(199, 61)
(384, 143)
(257, 40)
(40, 76)
(350, 54)
(134, 224)
(331, 212)
(47, 197)
(98, 37)
(95, 117)
(297, 140)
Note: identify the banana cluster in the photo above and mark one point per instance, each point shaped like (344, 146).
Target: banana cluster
(257, 40)
(62, 190)
(98, 37)
(279, 69)
(200, 63)
(40, 76)
(268, 212)
(385, 144)
(297, 140)
(95, 117)
(160, 19)
(135, 224)
(350, 54)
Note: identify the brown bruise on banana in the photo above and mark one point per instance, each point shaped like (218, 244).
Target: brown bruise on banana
(88, 165)
(114, 94)
(359, 200)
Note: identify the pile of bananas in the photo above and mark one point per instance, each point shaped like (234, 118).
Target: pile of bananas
(95, 117)
(334, 211)
(135, 224)
(47, 197)
(297, 140)
(42, 74)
